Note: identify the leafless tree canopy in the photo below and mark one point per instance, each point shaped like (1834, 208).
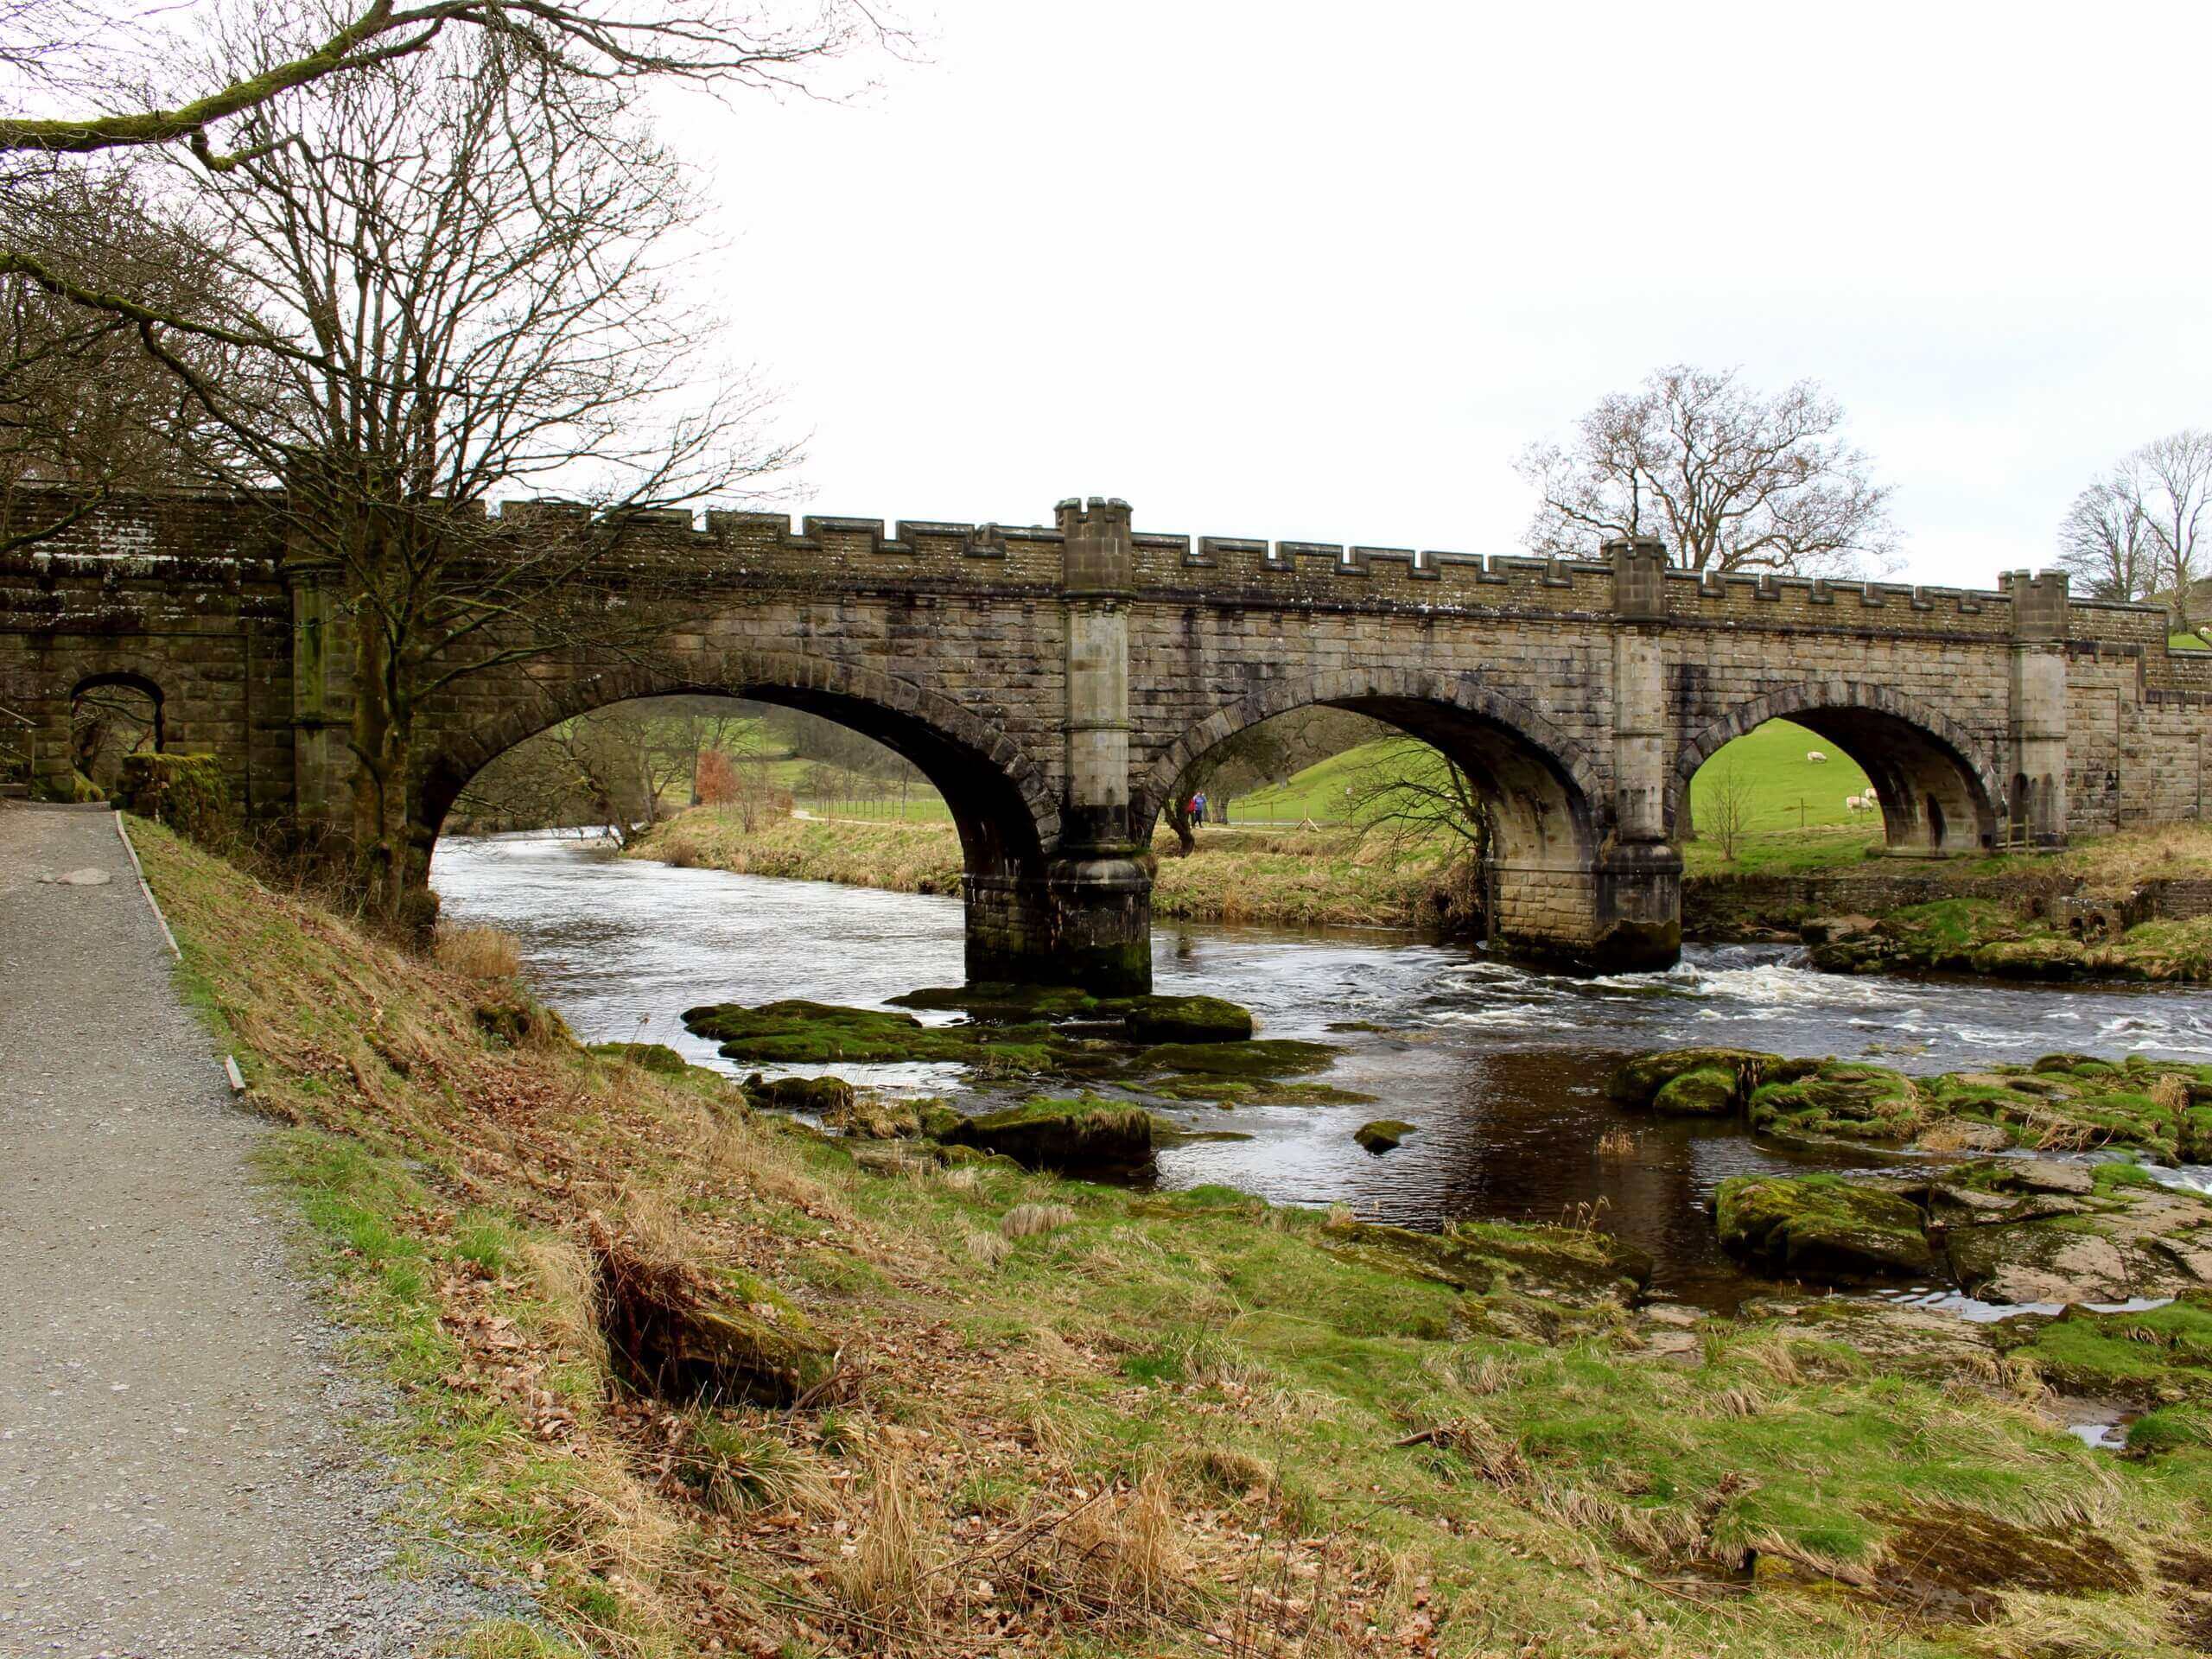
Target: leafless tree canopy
(1730, 480)
(2144, 531)
(88, 77)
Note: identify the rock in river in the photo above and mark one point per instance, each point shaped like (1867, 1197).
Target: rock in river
(1075, 1137)
(1822, 1227)
(1383, 1134)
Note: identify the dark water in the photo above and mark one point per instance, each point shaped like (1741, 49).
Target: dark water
(1501, 1069)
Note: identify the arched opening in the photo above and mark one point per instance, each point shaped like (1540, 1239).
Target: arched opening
(1822, 773)
(632, 759)
(112, 717)
(1527, 867)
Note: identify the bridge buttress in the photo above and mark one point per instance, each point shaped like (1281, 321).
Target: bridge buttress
(1638, 895)
(2041, 621)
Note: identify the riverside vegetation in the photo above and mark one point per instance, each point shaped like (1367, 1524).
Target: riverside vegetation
(714, 1381)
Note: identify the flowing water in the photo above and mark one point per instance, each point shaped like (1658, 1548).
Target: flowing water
(1501, 1068)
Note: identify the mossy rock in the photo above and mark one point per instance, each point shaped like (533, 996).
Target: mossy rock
(875, 1117)
(1383, 1134)
(824, 1097)
(2042, 956)
(935, 1120)
(1709, 1091)
(1073, 1137)
(2160, 1355)
(1867, 1103)
(1266, 1092)
(1822, 1228)
(658, 1058)
(1260, 1057)
(803, 1034)
(1186, 1020)
(1639, 1082)
(681, 1334)
(1570, 1265)
(1002, 1001)
(515, 1019)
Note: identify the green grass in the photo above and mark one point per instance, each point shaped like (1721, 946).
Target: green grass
(1516, 1464)
(2187, 642)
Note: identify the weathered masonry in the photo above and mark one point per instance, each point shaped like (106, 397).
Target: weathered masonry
(1054, 680)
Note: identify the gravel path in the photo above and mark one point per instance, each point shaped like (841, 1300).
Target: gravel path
(179, 1466)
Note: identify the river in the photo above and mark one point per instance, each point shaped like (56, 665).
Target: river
(1501, 1068)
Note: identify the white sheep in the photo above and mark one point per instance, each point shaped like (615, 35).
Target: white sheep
(1816, 757)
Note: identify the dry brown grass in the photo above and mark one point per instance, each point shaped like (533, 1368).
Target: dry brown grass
(477, 952)
(1034, 1220)
(885, 1580)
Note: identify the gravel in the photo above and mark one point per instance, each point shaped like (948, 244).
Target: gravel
(182, 1461)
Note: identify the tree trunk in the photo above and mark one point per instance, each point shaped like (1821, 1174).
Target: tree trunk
(1179, 820)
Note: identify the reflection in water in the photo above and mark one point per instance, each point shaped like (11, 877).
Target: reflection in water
(1501, 1069)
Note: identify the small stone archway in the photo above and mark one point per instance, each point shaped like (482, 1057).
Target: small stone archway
(1001, 805)
(151, 717)
(1939, 796)
(1545, 792)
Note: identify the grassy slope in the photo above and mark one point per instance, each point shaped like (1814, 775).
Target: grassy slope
(1325, 878)
(1171, 1426)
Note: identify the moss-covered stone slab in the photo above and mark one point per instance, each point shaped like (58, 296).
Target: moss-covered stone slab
(1822, 1228)
(681, 1333)
(1073, 1137)
(824, 1097)
(1575, 1266)
(1638, 1082)
(658, 1058)
(875, 1117)
(1186, 1020)
(2154, 1357)
(1259, 1059)
(1383, 1134)
(1842, 1098)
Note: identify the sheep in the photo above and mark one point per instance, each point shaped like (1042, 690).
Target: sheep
(1816, 757)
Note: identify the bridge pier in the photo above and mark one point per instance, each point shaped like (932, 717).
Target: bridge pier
(1086, 918)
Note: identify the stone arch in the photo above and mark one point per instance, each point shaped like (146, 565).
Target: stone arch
(1938, 794)
(1545, 792)
(1004, 810)
(115, 678)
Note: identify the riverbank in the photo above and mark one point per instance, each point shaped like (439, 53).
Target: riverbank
(1289, 878)
(970, 1408)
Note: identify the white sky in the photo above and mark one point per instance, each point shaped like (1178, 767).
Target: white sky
(1320, 272)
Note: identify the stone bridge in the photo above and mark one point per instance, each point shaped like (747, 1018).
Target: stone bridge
(1053, 681)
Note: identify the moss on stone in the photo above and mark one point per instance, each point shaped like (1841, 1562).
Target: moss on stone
(1074, 1137)
(1709, 1091)
(1186, 1020)
(1260, 1058)
(1383, 1134)
(1822, 1228)
(1868, 1103)
(2159, 1356)
(1640, 1081)
(657, 1058)
(1572, 1265)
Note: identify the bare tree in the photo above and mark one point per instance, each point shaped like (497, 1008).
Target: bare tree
(1414, 795)
(1732, 480)
(81, 404)
(2105, 544)
(468, 275)
(2144, 529)
(1726, 813)
(64, 47)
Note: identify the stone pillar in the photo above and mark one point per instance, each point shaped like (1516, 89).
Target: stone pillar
(1086, 918)
(2040, 620)
(1639, 876)
(322, 807)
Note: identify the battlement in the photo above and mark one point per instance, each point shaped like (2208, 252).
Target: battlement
(821, 551)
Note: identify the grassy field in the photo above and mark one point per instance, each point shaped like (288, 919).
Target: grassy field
(1075, 1421)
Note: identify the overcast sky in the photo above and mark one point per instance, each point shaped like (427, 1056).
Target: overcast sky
(1320, 272)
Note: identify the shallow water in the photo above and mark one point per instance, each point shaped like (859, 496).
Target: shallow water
(1501, 1068)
